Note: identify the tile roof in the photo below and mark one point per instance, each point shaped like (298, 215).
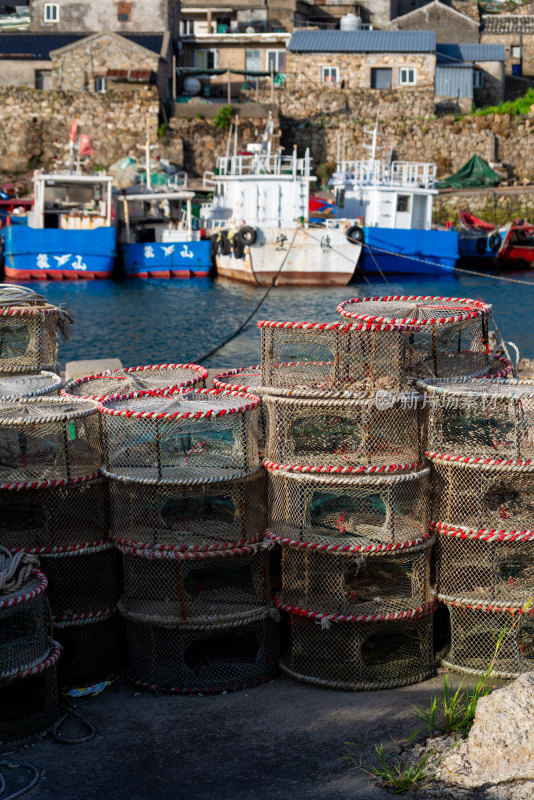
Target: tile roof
(508, 23)
(328, 41)
(38, 46)
(455, 53)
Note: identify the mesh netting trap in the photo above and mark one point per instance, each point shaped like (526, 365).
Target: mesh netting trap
(14, 387)
(444, 337)
(492, 419)
(364, 433)
(29, 330)
(242, 379)
(93, 648)
(203, 658)
(347, 654)
(355, 512)
(203, 433)
(48, 439)
(356, 584)
(54, 517)
(475, 632)
(198, 516)
(160, 378)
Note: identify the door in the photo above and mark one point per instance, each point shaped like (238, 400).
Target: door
(381, 78)
(252, 63)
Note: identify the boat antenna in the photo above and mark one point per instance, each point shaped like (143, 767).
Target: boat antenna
(235, 134)
(147, 147)
(374, 133)
(344, 139)
(229, 142)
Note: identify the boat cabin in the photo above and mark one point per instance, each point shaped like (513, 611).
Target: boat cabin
(147, 217)
(71, 201)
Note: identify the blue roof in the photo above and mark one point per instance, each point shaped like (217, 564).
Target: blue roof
(363, 41)
(455, 53)
(38, 46)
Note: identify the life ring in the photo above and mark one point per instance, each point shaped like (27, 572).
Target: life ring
(247, 235)
(355, 234)
(481, 245)
(495, 241)
(225, 246)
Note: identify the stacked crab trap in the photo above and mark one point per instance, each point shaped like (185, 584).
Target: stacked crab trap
(54, 505)
(481, 445)
(188, 505)
(348, 502)
(158, 378)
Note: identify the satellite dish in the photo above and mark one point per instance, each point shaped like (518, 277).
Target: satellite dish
(250, 29)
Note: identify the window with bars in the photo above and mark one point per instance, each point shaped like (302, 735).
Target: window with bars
(51, 12)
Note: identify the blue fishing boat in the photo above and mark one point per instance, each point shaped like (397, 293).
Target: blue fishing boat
(392, 202)
(69, 231)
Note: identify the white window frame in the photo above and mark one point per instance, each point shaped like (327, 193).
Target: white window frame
(101, 85)
(333, 72)
(51, 13)
(206, 50)
(278, 57)
(478, 79)
(404, 79)
(515, 51)
(187, 27)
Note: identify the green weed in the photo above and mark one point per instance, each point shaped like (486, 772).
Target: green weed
(516, 107)
(391, 772)
(223, 117)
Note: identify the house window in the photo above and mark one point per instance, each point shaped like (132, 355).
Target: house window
(187, 27)
(275, 61)
(124, 12)
(403, 203)
(101, 85)
(380, 78)
(51, 12)
(407, 76)
(516, 51)
(206, 59)
(223, 24)
(478, 79)
(43, 78)
(339, 197)
(329, 74)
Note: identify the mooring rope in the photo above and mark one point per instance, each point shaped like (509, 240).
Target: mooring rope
(3, 785)
(15, 569)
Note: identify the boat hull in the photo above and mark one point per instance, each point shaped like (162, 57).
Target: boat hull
(55, 254)
(409, 252)
(173, 260)
(314, 257)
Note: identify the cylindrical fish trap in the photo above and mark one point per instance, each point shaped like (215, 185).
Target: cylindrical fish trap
(167, 586)
(200, 516)
(48, 439)
(24, 622)
(360, 652)
(82, 579)
(93, 648)
(344, 582)
(490, 566)
(203, 658)
(204, 433)
(368, 431)
(15, 387)
(482, 494)
(449, 336)
(302, 358)
(28, 702)
(248, 380)
(159, 378)
(29, 330)
(54, 516)
(492, 419)
(353, 512)
(475, 633)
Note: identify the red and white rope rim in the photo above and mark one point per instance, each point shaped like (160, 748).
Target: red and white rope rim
(390, 616)
(408, 472)
(382, 547)
(372, 324)
(244, 408)
(86, 408)
(506, 464)
(51, 659)
(490, 608)
(189, 549)
(220, 381)
(30, 311)
(478, 309)
(154, 552)
(111, 375)
(482, 534)
(53, 484)
(25, 596)
(84, 618)
(485, 388)
(63, 548)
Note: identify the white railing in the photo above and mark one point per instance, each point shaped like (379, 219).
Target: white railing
(261, 164)
(409, 174)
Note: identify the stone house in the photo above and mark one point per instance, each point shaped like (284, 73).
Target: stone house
(367, 59)
(469, 73)
(377, 13)
(516, 33)
(239, 16)
(449, 24)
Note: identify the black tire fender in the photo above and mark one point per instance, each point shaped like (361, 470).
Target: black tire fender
(214, 245)
(247, 235)
(495, 241)
(239, 248)
(482, 245)
(225, 247)
(355, 234)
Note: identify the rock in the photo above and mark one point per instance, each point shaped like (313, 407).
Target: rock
(500, 745)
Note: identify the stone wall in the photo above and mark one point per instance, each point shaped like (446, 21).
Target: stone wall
(448, 25)
(497, 206)
(510, 40)
(89, 16)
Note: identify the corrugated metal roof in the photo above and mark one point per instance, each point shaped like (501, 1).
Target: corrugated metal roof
(38, 46)
(149, 40)
(453, 53)
(363, 41)
(508, 23)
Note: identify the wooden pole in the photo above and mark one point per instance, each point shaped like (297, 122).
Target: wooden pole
(174, 79)
(228, 88)
(272, 86)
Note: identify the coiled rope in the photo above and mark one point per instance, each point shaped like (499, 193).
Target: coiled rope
(15, 569)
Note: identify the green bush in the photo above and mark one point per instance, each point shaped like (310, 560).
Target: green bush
(516, 107)
(162, 130)
(223, 117)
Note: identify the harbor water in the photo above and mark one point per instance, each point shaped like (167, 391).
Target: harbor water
(161, 321)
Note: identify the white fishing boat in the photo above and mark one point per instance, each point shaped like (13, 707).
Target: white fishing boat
(259, 222)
